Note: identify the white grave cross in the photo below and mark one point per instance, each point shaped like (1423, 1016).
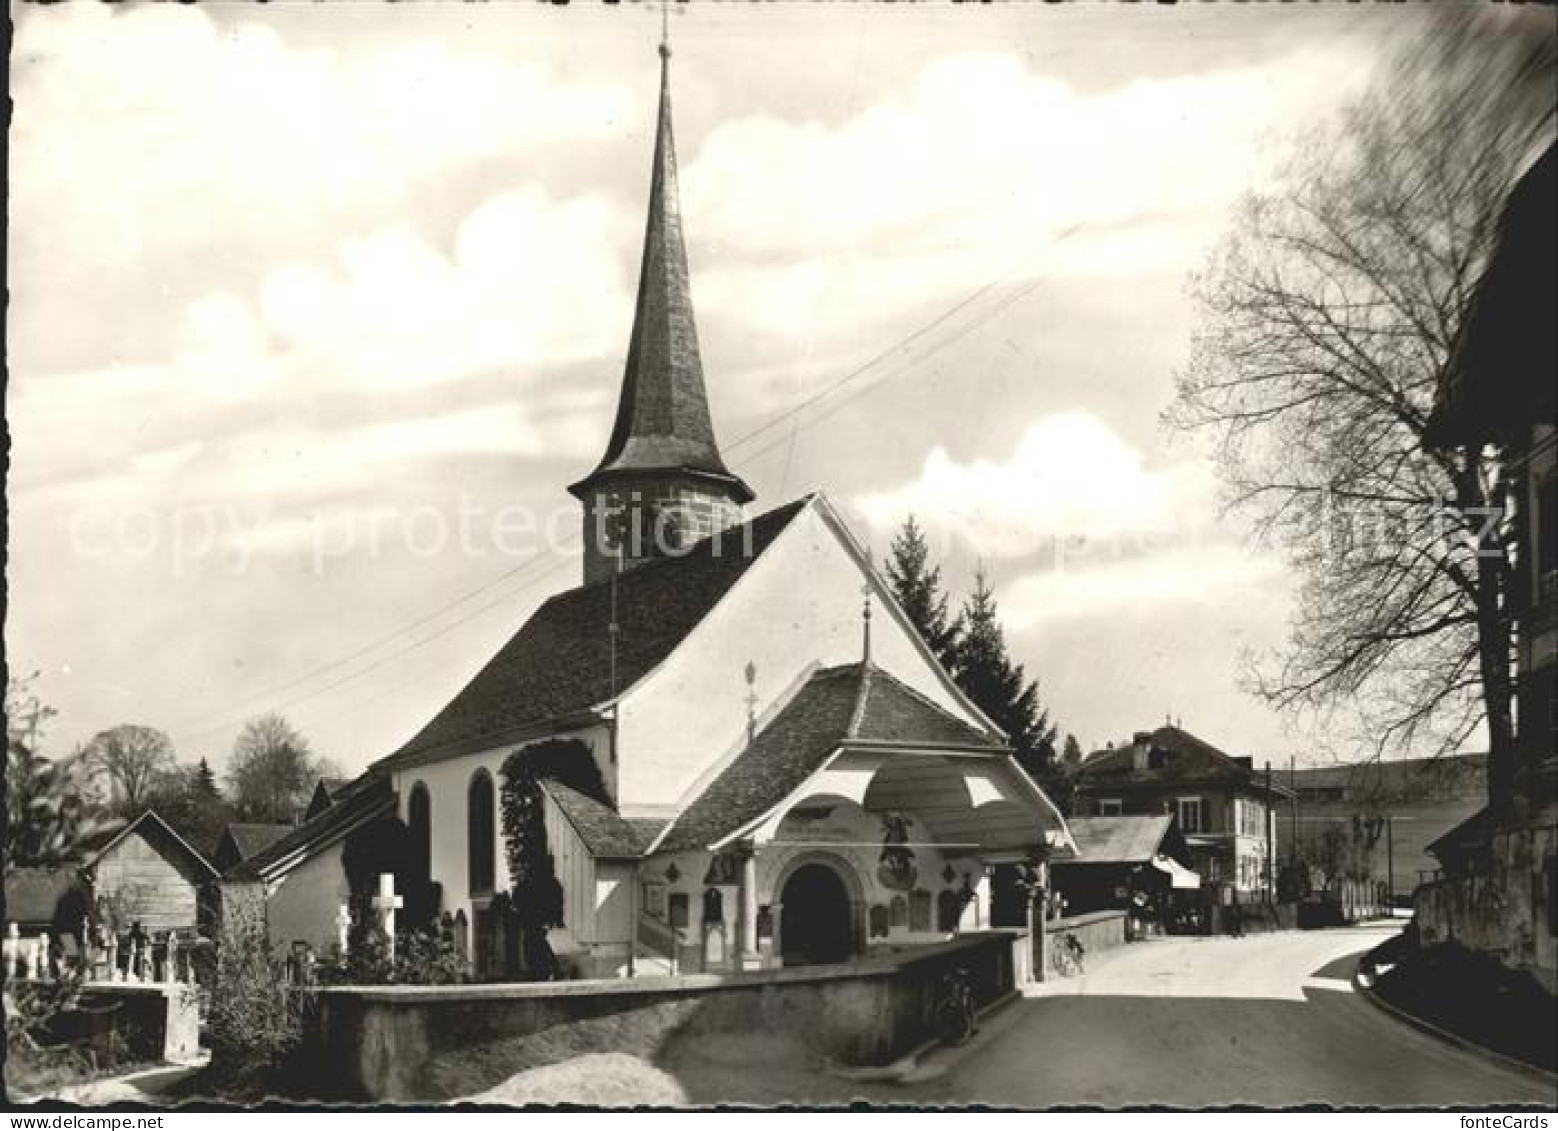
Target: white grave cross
(386, 903)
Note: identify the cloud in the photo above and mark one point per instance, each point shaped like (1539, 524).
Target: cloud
(1207, 576)
(1070, 481)
(979, 170)
(153, 144)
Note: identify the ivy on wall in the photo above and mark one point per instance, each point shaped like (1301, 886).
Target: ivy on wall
(537, 897)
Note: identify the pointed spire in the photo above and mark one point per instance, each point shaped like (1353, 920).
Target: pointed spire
(663, 421)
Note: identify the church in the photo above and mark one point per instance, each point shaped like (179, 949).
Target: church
(746, 756)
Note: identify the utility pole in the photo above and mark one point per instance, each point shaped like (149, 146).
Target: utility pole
(1270, 830)
(1293, 808)
(1390, 862)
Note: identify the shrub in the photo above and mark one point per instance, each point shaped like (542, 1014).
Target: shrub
(257, 1016)
(421, 958)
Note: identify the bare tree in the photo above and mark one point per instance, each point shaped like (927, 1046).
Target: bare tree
(273, 770)
(1328, 317)
(132, 760)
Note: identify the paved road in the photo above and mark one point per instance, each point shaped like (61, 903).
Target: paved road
(1269, 1020)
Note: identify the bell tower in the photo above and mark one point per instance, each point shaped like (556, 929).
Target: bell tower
(662, 483)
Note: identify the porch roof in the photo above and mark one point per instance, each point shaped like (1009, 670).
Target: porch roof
(854, 703)
(607, 834)
(1123, 840)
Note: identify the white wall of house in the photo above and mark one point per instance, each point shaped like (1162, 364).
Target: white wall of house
(302, 905)
(448, 784)
(798, 605)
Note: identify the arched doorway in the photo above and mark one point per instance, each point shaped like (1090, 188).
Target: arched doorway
(816, 922)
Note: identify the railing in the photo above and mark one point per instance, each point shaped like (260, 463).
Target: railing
(99, 957)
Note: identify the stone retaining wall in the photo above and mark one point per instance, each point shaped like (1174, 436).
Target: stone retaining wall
(414, 1042)
(1096, 931)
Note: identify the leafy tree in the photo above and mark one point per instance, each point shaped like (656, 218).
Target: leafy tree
(47, 813)
(273, 770)
(1328, 318)
(1001, 688)
(131, 760)
(917, 586)
(188, 798)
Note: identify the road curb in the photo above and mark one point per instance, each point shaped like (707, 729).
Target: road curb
(1366, 991)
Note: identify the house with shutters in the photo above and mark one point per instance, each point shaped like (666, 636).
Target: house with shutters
(747, 757)
(1222, 805)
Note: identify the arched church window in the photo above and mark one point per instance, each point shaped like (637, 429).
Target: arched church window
(713, 906)
(480, 826)
(419, 818)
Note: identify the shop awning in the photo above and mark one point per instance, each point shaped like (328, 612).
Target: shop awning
(1179, 875)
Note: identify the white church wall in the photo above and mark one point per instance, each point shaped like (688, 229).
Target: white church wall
(303, 904)
(799, 605)
(448, 783)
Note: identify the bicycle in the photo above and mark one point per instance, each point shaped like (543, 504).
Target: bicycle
(955, 1009)
(1067, 959)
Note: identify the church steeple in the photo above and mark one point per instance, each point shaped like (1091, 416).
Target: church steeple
(662, 482)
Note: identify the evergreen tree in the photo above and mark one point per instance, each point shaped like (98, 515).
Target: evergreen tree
(917, 586)
(1000, 688)
(204, 786)
(1071, 753)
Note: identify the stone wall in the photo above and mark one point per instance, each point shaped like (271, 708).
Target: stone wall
(1506, 910)
(1096, 931)
(413, 1043)
(150, 1022)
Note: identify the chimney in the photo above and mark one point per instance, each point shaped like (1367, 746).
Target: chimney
(1141, 745)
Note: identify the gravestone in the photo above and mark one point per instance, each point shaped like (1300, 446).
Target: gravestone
(948, 910)
(879, 920)
(386, 903)
(461, 929)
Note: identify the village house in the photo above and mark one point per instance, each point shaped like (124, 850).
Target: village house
(1500, 893)
(1127, 863)
(132, 872)
(1222, 805)
(747, 755)
(1374, 820)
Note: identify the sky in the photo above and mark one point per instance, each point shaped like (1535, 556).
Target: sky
(317, 309)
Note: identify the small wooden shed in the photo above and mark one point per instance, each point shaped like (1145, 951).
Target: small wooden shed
(144, 872)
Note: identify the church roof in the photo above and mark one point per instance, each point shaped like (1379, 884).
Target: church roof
(663, 421)
(855, 703)
(558, 665)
